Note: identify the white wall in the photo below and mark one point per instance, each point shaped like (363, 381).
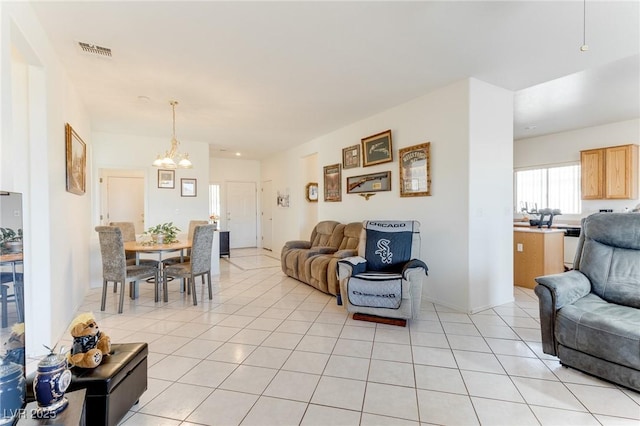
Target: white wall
(490, 192)
(566, 146)
(442, 117)
(309, 211)
(37, 100)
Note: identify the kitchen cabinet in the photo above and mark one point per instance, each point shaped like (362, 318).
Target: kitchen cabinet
(609, 173)
(536, 252)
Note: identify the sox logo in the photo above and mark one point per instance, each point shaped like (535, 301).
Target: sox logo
(383, 250)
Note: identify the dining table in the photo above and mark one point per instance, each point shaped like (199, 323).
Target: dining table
(13, 259)
(138, 248)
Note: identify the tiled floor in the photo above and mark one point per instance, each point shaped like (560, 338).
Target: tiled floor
(268, 350)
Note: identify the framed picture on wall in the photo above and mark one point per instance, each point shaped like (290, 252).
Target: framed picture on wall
(415, 170)
(332, 183)
(311, 192)
(76, 151)
(377, 149)
(188, 187)
(351, 157)
(166, 179)
(373, 182)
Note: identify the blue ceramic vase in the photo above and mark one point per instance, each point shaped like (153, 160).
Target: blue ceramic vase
(12, 391)
(52, 380)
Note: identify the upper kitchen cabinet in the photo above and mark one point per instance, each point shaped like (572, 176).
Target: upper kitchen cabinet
(610, 173)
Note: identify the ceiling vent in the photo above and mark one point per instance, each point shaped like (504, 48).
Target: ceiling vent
(94, 50)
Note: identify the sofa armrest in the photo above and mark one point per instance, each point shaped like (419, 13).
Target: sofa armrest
(554, 292)
(566, 287)
(342, 254)
(413, 264)
(297, 244)
(350, 266)
(323, 250)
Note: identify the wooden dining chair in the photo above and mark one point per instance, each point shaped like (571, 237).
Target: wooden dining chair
(199, 264)
(115, 268)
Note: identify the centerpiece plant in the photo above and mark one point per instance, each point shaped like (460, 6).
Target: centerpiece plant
(165, 233)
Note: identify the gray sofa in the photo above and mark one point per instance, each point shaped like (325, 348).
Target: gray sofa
(590, 316)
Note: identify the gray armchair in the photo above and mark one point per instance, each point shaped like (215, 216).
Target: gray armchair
(590, 316)
(384, 282)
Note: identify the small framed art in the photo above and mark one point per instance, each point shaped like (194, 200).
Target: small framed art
(332, 183)
(311, 192)
(166, 179)
(351, 157)
(188, 187)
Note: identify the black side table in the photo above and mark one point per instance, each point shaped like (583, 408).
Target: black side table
(224, 244)
(73, 415)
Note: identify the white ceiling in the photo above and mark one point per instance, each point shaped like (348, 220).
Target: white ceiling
(259, 77)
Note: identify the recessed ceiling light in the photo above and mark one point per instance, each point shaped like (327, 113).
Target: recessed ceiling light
(238, 154)
(530, 127)
(143, 98)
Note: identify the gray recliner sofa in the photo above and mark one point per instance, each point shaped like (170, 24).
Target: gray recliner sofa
(590, 316)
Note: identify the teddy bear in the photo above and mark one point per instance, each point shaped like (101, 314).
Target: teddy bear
(14, 346)
(90, 344)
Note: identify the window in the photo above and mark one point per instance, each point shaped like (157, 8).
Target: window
(214, 200)
(556, 187)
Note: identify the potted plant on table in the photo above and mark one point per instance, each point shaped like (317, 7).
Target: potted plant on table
(165, 233)
(11, 240)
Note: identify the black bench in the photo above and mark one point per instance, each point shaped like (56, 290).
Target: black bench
(114, 386)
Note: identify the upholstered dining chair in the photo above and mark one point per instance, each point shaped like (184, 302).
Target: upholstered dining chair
(115, 268)
(199, 264)
(180, 259)
(129, 234)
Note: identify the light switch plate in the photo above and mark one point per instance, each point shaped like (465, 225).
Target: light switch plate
(519, 247)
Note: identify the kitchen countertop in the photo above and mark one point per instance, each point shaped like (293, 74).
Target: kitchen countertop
(535, 229)
(553, 225)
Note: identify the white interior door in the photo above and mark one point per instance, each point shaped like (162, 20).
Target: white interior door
(125, 200)
(242, 212)
(267, 215)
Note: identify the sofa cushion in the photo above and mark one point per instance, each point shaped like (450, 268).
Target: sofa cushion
(321, 234)
(595, 326)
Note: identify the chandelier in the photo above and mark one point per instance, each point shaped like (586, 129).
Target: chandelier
(173, 158)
